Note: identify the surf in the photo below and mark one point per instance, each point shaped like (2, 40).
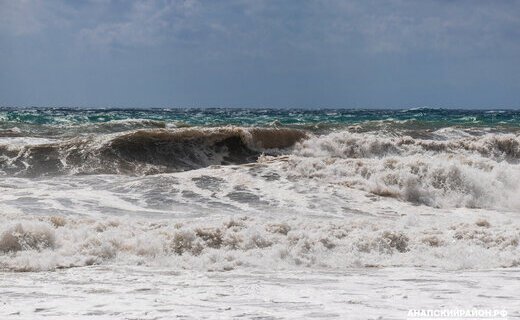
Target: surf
(145, 151)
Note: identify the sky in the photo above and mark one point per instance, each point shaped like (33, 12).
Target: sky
(239, 53)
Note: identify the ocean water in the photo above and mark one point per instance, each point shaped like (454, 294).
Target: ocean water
(257, 213)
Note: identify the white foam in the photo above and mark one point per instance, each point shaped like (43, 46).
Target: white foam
(447, 240)
(22, 141)
(330, 229)
(470, 172)
(336, 201)
(161, 293)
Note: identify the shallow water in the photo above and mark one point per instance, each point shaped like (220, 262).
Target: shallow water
(155, 293)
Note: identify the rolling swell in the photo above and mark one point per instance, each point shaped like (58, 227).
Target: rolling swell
(145, 151)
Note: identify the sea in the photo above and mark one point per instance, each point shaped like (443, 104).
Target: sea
(228, 213)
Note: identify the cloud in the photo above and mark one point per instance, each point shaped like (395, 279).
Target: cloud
(265, 28)
(394, 26)
(145, 23)
(28, 17)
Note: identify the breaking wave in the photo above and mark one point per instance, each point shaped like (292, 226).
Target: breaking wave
(346, 144)
(474, 172)
(455, 169)
(145, 151)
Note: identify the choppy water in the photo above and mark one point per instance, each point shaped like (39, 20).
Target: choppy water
(274, 191)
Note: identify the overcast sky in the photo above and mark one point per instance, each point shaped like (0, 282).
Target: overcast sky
(238, 53)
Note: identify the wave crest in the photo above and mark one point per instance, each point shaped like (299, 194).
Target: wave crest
(145, 151)
(474, 172)
(355, 145)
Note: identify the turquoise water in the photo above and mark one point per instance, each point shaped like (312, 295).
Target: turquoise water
(259, 117)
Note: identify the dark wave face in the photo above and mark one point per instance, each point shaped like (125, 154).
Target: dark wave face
(145, 151)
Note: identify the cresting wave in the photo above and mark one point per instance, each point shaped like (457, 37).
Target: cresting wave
(51, 242)
(474, 172)
(347, 144)
(144, 151)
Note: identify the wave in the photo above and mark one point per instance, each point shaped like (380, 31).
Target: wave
(145, 151)
(118, 125)
(11, 132)
(344, 144)
(474, 172)
(436, 181)
(71, 129)
(53, 242)
(458, 171)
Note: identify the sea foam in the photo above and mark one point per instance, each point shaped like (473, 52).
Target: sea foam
(50, 242)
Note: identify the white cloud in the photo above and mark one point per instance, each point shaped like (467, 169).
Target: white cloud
(259, 28)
